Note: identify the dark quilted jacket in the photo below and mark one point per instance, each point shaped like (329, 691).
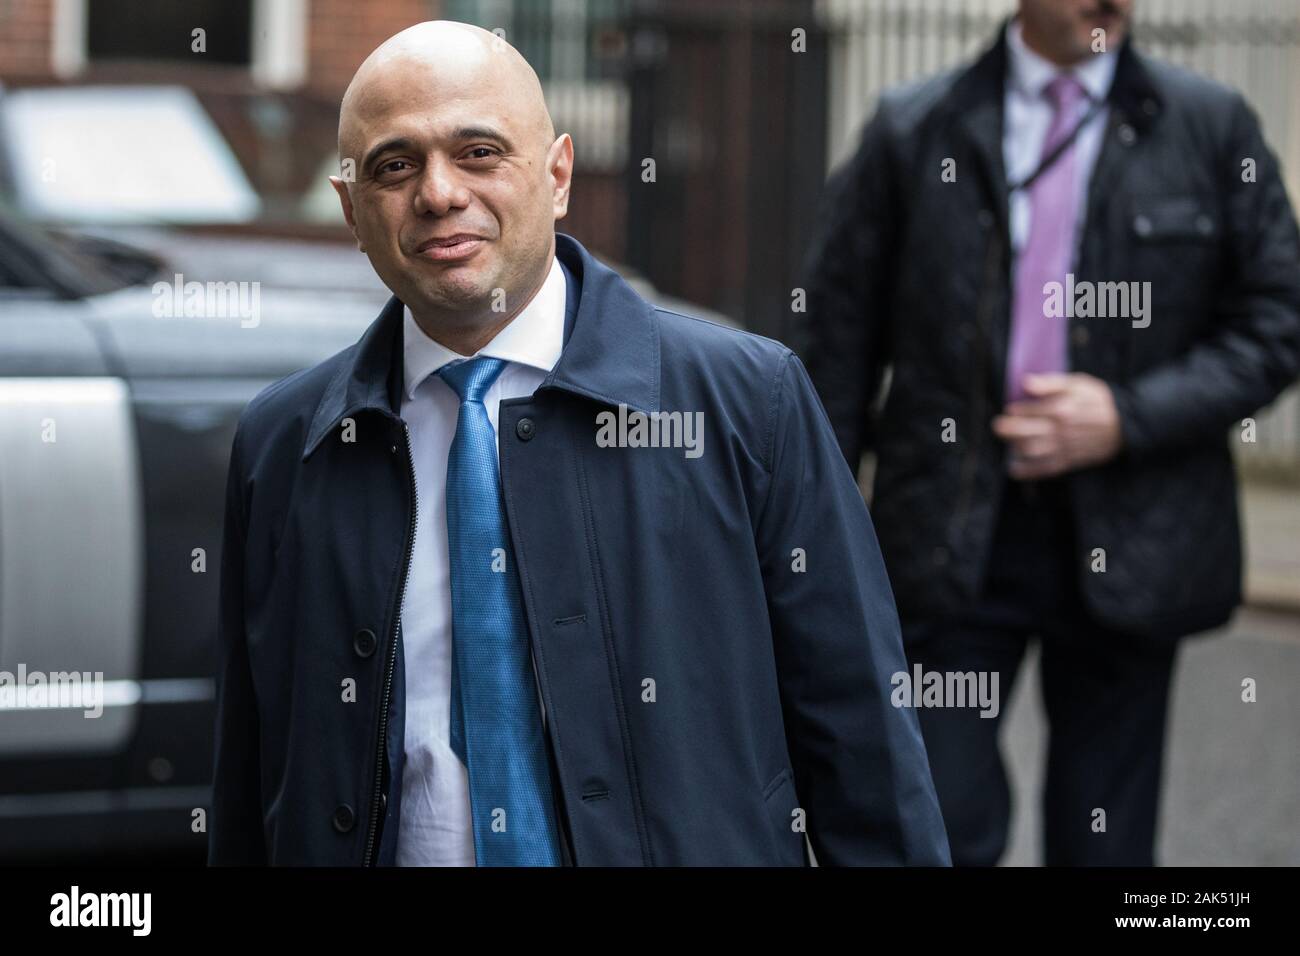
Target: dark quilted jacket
(911, 272)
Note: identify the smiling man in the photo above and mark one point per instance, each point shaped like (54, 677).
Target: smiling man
(478, 143)
(458, 627)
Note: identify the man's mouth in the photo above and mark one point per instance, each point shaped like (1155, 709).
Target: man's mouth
(1104, 13)
(462, 245)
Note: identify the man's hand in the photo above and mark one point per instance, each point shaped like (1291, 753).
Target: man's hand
(1068, 422)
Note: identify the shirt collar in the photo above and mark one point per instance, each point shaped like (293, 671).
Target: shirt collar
(534, 337)
(1030, 73)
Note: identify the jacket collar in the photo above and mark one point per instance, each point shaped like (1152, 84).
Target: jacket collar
(611, 350)
(978, 94)
(983, 81)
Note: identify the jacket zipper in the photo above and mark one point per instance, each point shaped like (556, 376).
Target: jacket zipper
(392, 652)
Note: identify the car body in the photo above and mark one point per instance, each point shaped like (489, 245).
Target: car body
(115, 431)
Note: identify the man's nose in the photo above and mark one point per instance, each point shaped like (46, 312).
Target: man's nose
(440, 188)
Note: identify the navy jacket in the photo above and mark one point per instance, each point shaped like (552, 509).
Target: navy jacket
(714, 636)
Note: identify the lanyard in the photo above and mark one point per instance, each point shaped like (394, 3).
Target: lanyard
(1046, 162)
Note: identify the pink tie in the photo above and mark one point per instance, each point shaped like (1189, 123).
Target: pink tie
(1038, 342)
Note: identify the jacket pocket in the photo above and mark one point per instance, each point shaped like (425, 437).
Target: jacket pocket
(1173, 219)
(781, 802)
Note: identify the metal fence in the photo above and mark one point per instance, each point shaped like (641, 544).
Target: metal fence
(1253, 45)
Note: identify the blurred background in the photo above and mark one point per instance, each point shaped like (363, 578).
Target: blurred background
(134, 150)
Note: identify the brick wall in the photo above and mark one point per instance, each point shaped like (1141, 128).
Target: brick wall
(25, 38)
(341, 33)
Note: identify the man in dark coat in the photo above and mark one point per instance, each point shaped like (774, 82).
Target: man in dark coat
(660, 634)
(1081, 266)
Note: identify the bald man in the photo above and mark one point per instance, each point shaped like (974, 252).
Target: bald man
(536, 573)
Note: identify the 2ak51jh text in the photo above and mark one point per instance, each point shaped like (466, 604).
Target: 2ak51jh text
(1195, 897)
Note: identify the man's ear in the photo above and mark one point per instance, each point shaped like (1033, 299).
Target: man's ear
(345, 199)
(559, 160)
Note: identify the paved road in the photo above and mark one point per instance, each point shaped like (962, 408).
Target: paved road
(1232, 770)
(1270, 516)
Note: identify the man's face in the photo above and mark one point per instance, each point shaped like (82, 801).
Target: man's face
(1066, 28)
(457, 189)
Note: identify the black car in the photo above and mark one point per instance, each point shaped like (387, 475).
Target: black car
(122, 375)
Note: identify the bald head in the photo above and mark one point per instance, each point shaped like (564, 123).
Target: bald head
(447, 56)
(453, 177)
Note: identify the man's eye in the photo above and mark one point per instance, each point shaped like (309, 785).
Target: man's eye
(391, 166)
(481, 152)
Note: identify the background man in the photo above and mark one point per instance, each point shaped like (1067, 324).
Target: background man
(1051, 473)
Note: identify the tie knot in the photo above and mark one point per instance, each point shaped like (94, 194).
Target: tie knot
(472, 378)
(1064, 91)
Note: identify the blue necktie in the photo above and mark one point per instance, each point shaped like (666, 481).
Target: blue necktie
(496, 726)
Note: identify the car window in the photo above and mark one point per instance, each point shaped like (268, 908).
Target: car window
(116, 154)
(66, 264)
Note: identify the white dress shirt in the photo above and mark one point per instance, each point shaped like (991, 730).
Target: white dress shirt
(435, 828)
(1028, 114)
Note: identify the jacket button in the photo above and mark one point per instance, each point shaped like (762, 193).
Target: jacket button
(1142, 226)
(364, 643)
(525, 429)
(984, 219)
(344, 818)
(1080, 335)
(1204, 224)
(1127, 135)
(940, 556)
